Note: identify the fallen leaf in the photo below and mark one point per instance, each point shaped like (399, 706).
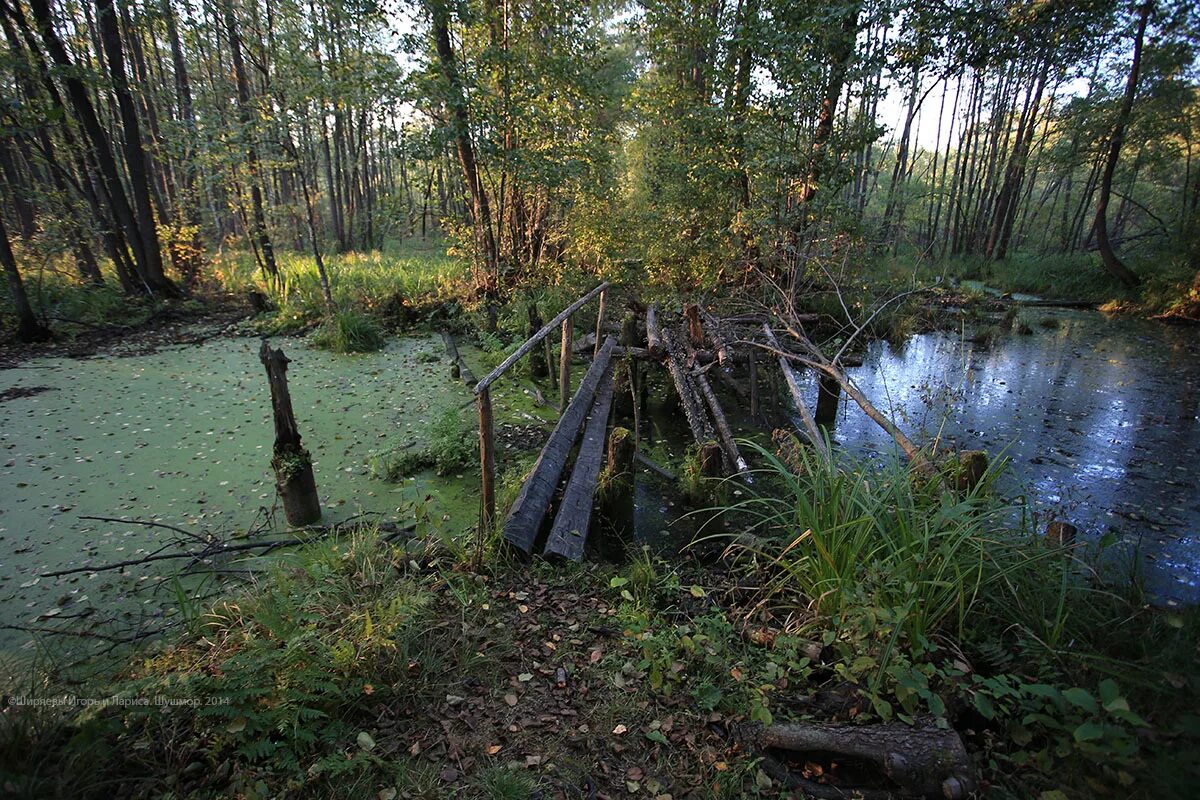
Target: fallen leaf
(511, 699)
(620, 730)
(493, 749)
(365, 741)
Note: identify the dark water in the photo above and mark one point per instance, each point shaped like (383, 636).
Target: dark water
(1099, 416)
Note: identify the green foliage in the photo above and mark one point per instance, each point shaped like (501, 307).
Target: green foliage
(349, 331)
(453, 445)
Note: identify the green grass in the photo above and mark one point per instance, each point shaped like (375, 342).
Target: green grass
(349, 331)
(931, 597)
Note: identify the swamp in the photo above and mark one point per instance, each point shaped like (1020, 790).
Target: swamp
(529, 400)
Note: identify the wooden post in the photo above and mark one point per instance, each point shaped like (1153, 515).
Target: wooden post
(487, 471)
(753, 385)
(538, 366)
(294, 479)
(691, 312)
(564, 367)
(600, 323)
(829, 392)
(617, 496)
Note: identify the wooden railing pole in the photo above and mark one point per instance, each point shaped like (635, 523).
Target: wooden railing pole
(487, 469)
(564, 366)
(600, 322)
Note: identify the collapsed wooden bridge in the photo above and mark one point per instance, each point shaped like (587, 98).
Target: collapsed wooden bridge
(696, 348)
(584, 420)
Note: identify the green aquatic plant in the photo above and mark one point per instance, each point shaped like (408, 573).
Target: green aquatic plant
(349, 331)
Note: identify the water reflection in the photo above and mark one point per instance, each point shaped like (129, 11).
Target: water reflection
(1099, 417)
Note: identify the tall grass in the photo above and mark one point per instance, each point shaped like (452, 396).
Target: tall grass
(843, 537)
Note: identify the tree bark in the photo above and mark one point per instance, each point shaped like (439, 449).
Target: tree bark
(1111, 261)
(28, 327)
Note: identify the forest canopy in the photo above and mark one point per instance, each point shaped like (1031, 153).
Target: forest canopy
(689, 143)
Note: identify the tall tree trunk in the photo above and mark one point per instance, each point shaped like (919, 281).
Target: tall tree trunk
(258, 219)
(456, 101)
(28, 327)
(839, 61)
(136, 161)
(1107, 255)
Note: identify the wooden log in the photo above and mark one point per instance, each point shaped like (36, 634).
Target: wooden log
(653, 332)
(600, 321)
(713, 326)
(810, 430)
(524, 519)
(564, 366)
(487, 471)
(723, 430)
(532, 341)
(294, 480)
(459, 368)
(922, 760)
(693, 410)
(655, 467)
(569, 533)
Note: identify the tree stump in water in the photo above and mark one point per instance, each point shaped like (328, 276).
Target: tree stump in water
(294, 479)
(972, 465)
(617, 496)
(829, 392)
(1061, 533)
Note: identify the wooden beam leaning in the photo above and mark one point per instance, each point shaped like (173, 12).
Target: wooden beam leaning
(526, 515)
(569, 533)
(812, 433)
(532, 341)
(564, 366)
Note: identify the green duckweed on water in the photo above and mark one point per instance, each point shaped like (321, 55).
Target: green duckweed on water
(183, 437)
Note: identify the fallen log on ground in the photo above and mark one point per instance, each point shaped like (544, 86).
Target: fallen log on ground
(568, 534)
(920, 760)
(525, 517)
(460, 364)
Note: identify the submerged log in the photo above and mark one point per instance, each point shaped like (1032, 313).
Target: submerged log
(294, 481)
(921, 760)
(525, 517)
(459, 368)
(569, 533)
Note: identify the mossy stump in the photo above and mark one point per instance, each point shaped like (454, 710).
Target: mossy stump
(972, 465)
(294, 480)
(616, 497)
